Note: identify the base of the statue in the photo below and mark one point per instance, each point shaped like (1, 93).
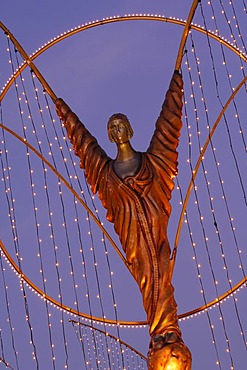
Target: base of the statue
(172, 356)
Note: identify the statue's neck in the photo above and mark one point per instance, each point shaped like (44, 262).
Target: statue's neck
(128, 161)
(125, 152)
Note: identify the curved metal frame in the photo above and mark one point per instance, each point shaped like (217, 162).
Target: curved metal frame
(109, 20)
(29, 61)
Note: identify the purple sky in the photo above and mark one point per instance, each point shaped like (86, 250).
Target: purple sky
(126, 67)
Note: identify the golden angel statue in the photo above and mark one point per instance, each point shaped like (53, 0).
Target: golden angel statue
(135, 188)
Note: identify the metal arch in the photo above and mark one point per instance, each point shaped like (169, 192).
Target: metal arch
(104, 21)
(100, 320)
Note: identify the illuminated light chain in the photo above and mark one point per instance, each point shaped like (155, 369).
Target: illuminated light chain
(95, 21)
(216, 224)
(9, 318)
(57, 264)
(61, 200)
(228, 22)
(198, 265)
(67, 310)
(207, 142)
(35, 209)
(7, 305)
(110, 273)
(233, 155)
(9, 195)
(194, 174)
(241, 330)
(85, 345)
(6, 363)
(230, 83)
(35, 358)
(212, 212)
(92, 249)
(224, 58)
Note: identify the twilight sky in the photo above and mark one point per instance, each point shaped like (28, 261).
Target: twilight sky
(121, 67)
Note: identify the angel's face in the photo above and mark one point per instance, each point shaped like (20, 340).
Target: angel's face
(118, 131)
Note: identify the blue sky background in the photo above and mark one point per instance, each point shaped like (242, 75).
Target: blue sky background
(125, 67)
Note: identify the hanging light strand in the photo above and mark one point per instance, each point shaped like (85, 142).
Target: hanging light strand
(210, 197)
(237, 116)
(233, 154)
(90, 232)
(197, 200)
(5, 174)
(108, 264)
(28, 319)
(193, 244)
(35, 208)
(9, 317)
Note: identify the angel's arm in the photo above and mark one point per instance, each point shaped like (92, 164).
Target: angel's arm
(92, 157)
(167, 130)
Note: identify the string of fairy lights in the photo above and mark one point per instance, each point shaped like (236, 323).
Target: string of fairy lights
(35, 209)
(64, 223)
(69, 249)
(133, 361)
(97, 349)
(205, 171)
(200, 216)
(241, 131)
(12, 216)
